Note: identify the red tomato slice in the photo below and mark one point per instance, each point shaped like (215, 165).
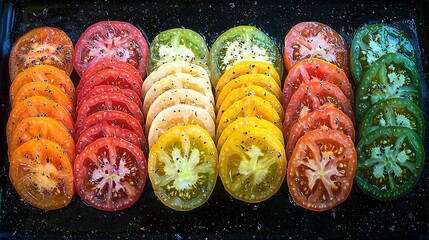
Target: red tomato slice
(113, 118)
(41, 46)
(315, 69)
(108, 101)
(99, 131)
(111, 39)
(313, 39)
(312, 96)
(104, 64)
(321, 170)
(113, 77)
(110, 89)
(325, 118)
(110, 174)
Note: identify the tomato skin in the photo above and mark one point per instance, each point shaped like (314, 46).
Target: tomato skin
(391, 160)
(326, 160)
(41, 46)
(312, 69)
(107, 161)
(100, 38)
(313, 39)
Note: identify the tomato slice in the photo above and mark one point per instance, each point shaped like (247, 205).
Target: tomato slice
(244, 122)
(252, 164)
(38, 106)
(108, 101)
(172, 68)
(42, 174)
(113, 118)
(42, 128)
(110, 174)
(239, 44)
(111, 39)
(101, 89)
(251, 106)
(391, 160)
(46, 90)
(257, 79)
(41, 46)
(391, 76)
(326, 118)
(315, 69)
(252, 90)
(179, 115)
(312, 96)
(178, 44)
(179, 96)
(321, 169)
(393, 112)
(105, 64)
(374, 41)
(183, 167)
(313, 39)
(113, 77)
(177, 81)
(247, 67)
(104, 130)
(47, 74)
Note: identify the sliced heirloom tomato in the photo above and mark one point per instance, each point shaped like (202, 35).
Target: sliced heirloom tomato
(252, 164)
(314, 69)
(110, 174)
(391, 76)
(183, 167)
(42, 174)
(47, 74)
(108, 101)
(239, 44)
(313, 39)
(325, 118)
(41, 46)
(179, 115)
(312, 96)
(46, 90)
(321, 169)
(178, 44)
(111, 39)
(374, 41)
(38, 106)
(42, 128)
(390, 162)
(393, 112)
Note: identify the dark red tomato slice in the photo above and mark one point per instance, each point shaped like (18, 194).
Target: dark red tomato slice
(113, 118)
(41, 46)
(325, 118)
(104, 64)
(321, 170)
(110, 89)
(108, 101)
(110, 174)
(313, 39)
(111, 39)
(312, 96)
(113, 77)
(315, 69)
(99, 131)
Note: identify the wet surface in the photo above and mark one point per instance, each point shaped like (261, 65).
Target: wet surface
(221, 217)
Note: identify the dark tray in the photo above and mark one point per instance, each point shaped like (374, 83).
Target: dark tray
(221, 217)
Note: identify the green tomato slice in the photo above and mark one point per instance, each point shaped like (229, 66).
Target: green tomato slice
(239, 44)
(390, 162)
(391, 76)
(374, 41)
